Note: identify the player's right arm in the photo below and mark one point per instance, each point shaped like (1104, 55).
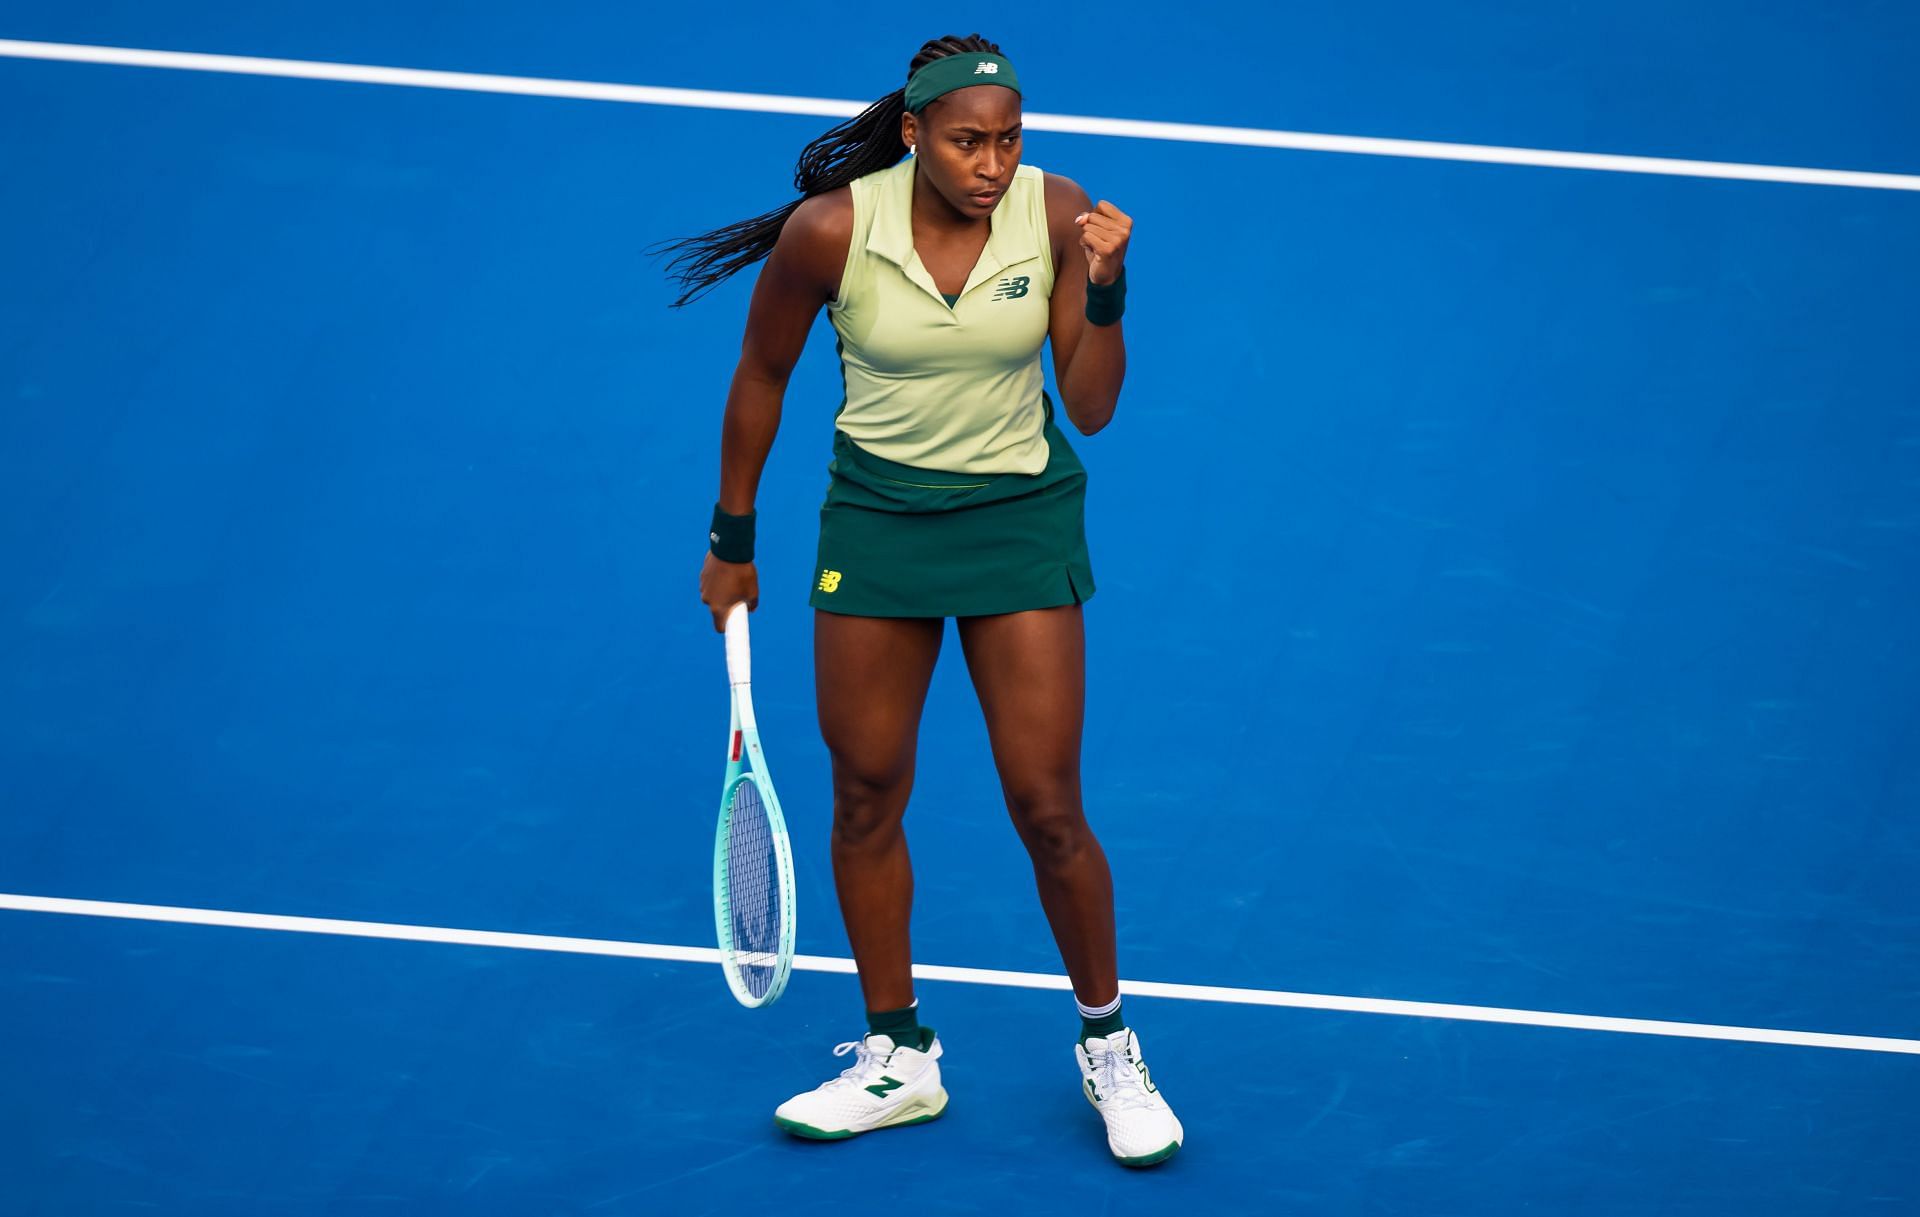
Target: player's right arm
(800, 276)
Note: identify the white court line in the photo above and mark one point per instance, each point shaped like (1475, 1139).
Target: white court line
(972, 976)
(768, 103)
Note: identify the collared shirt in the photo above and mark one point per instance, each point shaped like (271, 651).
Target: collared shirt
(938, 386)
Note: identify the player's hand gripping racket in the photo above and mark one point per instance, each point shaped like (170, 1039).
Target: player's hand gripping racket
(753, 906)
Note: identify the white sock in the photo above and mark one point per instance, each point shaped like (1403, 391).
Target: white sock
(1091, 1013)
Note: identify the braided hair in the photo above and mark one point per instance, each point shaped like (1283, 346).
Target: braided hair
(863, 144)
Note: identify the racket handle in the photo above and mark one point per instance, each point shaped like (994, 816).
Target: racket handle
(739, 661)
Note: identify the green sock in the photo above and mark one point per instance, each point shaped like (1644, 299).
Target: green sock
(1102, 1026)
(901, 1026)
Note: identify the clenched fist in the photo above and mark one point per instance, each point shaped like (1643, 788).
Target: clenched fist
(725, 584)
(1103, 235)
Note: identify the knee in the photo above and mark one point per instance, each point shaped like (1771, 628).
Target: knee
(867, 809)
(1052, 827)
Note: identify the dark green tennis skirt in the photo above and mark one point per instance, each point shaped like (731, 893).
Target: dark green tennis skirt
(897, 541)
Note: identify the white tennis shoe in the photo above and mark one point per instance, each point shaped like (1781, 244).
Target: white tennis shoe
(886, 1087)
(1141, 1128)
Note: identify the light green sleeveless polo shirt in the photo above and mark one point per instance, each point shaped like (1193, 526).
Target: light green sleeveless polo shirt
(956, 388)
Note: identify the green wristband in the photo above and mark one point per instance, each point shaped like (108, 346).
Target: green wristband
(730, 539)
(1106, 302)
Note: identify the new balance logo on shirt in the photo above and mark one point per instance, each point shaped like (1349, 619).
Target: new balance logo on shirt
(1011, 289)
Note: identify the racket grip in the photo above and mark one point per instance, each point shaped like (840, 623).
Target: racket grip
(739, 660)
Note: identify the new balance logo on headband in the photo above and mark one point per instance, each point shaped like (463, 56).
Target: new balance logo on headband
(983, 68)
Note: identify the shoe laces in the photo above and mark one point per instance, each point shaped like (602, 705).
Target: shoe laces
(1118, 1079)
(866, 1062)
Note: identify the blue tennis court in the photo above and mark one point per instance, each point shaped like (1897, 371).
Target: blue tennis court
(1507, 605)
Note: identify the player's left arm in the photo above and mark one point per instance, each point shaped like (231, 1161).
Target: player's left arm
(1089, 245)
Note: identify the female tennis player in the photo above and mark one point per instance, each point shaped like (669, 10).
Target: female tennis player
(944, 264)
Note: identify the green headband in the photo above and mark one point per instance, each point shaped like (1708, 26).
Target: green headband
(950, 72)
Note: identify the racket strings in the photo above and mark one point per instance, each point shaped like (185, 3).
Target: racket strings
(753, 889)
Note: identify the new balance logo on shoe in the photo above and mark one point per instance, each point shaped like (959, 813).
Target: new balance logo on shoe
(884, 1087)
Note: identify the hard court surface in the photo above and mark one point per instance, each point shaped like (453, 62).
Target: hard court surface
(1507, 599)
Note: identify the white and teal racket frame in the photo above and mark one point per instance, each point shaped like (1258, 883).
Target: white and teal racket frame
(744, 964)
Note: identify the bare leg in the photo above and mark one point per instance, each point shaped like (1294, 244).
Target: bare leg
(1029, 670)
(870, 682)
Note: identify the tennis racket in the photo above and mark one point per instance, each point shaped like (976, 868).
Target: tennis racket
(753, 905)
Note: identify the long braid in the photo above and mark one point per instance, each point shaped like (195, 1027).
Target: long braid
(863, 144)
